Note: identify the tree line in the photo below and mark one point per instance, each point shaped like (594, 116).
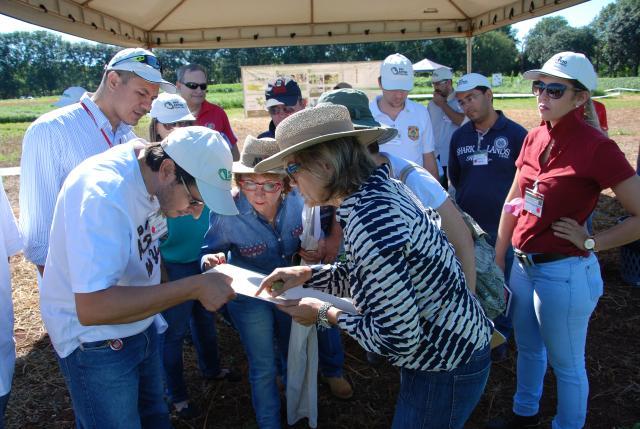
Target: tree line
(40, 63)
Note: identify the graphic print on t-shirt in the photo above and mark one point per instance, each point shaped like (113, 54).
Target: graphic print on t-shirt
(147, 248)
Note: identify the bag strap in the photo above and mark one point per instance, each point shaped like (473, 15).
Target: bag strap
(408, 169)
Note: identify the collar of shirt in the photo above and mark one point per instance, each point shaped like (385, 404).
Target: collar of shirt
(101, 119)
(206, 107)
(566, 129)
(377, 178)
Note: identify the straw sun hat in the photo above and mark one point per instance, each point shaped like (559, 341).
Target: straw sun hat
(254, 151)
(311, 126)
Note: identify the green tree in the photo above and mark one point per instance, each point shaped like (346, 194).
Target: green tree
(537, 43)
(620, 32)
(494, 52)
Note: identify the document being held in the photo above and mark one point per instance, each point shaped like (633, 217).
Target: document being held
(246, 282)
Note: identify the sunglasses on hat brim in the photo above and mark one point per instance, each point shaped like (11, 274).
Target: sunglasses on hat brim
(149, 60)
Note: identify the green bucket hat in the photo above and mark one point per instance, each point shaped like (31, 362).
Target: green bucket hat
(357, 103)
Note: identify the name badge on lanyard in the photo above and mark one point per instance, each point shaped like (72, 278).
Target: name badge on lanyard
(533, 200)
(480, 157)
(158, 226)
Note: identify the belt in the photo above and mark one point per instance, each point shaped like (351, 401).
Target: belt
(529, 260)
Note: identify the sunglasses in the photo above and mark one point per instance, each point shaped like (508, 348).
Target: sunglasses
(193, 202)
(179, 124)
(291, 169)
(281, 110)
(149, 60)
(193, 85)
(268, 187)
(554, 90)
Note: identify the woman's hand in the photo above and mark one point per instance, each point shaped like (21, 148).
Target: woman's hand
(283, 279)
(304, 311)
(570, 230)
(211, 260)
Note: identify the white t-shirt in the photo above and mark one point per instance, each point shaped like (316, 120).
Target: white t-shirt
(10, 244)
(443, 127)
(100, 238)
(415, 134)
(420, 181)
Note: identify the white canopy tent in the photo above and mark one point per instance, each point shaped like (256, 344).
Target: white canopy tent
(426, 65)
(211, 24)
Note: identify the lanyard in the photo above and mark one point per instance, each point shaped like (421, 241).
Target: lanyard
(106, 138)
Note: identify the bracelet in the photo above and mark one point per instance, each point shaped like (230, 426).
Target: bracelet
(322, 318)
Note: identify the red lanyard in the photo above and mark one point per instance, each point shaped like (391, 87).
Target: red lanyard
(106, 138)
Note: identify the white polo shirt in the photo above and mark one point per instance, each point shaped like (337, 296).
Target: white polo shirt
(415, 134)
(10, 244)
(100, 238)
(443, 127)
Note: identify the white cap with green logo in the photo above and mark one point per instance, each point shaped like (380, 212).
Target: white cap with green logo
(205, 154)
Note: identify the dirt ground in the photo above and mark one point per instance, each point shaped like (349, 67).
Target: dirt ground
(40, 400)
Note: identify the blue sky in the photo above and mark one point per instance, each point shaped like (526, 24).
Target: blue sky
(577, 16)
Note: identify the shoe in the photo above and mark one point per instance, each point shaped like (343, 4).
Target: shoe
(515, 421)
(500, 353)
(339, 386)
(226, 374)
(188, 411)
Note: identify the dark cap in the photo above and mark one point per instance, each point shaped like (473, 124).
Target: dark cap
(283, 90)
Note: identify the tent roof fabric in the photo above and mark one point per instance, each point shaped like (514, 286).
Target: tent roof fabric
(189, 24)
(427, 65)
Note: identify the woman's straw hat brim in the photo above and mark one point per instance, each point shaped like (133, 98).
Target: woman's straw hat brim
(312, 126)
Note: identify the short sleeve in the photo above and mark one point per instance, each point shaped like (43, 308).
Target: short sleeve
(428, 139)
(426, 188)
(610, 166)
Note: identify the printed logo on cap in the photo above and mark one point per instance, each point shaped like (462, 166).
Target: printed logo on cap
(174, 105)
(560, 61)
(224, 174)
(279, 87)
(462, 82)
(399, 71)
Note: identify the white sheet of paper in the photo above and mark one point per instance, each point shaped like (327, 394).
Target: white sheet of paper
(246, 282)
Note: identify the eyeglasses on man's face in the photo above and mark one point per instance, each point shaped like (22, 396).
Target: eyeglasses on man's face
(195, 85)
(193, 202)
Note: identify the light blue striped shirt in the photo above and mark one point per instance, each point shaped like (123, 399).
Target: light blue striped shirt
(53, 146)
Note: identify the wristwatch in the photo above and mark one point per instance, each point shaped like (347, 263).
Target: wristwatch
(323, 317)
(589, 243)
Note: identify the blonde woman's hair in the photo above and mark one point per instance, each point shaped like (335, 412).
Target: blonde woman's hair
(590, 114)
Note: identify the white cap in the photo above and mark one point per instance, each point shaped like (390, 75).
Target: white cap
(396, 72)
(440, 74)
(70, 95)
(137, 60)
(170, 108)
(568, 65)
(204, 154)
(471, 81)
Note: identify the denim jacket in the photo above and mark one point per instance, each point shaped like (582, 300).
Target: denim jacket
(250, 242)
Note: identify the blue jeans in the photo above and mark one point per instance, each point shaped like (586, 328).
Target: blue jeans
(117, 388)
(259, 323)
(4, 400)
(552, 304)
(203, 332)
(444, 399)
(330, 352)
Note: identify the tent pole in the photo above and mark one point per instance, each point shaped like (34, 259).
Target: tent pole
(469, 46)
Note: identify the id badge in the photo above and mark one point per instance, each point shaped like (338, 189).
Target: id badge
(480, 157)
(533, 202)
(158, 226)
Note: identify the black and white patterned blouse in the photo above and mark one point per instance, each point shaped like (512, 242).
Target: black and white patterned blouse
(402, 274)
